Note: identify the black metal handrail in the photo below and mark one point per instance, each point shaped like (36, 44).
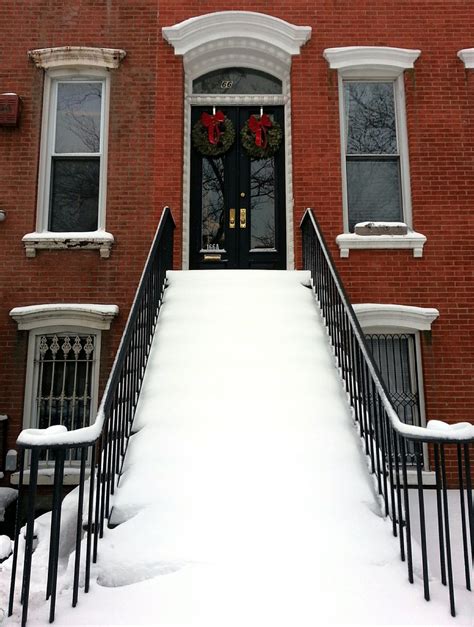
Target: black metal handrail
(104, 442)
(385, 436)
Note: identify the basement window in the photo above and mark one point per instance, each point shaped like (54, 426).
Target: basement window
(62, 373)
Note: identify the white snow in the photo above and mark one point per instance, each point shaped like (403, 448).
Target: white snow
(5, 547)
(7, 496)
(110, 310)
(73, 235)
(245, 498)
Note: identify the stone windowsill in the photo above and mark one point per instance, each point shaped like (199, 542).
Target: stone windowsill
(48, 240)
(350, 241)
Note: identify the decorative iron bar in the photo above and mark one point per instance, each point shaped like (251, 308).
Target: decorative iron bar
(104, 442)
(387, 440)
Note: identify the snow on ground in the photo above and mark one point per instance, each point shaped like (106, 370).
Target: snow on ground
(245, 498)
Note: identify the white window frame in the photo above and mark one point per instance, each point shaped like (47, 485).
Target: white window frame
(401, 319)
(71, 63)
(52, 80)
(73, 319)
(377, 64)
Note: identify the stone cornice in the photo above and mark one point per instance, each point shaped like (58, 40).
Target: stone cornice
(223, 25)
(59, 314)
(77, 56)
(394, 60)
(399, 316)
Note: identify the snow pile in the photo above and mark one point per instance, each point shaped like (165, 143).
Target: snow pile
(245, 498)
(5, 547)
(7, 496)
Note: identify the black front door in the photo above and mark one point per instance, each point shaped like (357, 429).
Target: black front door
(237, 202)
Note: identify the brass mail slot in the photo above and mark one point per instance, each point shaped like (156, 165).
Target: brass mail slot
(212, 257)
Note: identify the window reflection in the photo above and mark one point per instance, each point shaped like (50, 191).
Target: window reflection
(213, 216)
(373, 164)
(78, 117)
(262, 203)
(370, 118)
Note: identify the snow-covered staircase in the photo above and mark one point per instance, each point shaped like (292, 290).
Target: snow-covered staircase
(230, 482)
(245, 482)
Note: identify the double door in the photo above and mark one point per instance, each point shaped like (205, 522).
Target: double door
(237, 215)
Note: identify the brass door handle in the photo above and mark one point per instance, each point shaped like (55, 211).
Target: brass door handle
(243, 218)
(232, 218)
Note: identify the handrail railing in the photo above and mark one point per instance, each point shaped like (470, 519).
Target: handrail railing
(104, 442)
(385, 436)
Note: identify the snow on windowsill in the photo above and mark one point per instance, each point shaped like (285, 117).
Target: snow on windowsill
(89, 315)
(351, 241)
(49, 240)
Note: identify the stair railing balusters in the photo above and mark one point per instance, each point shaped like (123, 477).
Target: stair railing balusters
(387, 440)
(105, 440)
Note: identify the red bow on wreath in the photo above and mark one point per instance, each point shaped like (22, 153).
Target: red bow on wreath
(212, 123)
(259, 128)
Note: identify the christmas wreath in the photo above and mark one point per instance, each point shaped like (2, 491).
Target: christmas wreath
(261, 136)
(213, 135)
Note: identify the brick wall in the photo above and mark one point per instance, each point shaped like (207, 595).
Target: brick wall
(145, 165)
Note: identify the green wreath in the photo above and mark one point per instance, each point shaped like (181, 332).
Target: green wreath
(274, 135)
(200, 137)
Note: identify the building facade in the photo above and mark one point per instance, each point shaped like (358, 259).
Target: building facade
(239, 121)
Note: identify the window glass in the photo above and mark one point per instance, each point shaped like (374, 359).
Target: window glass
(372, 159)
(74, 194)
(373, 190)
(237, 80)
(262, 203)
(370, 118)
(78, 117)
(74, 186)
(212, 231)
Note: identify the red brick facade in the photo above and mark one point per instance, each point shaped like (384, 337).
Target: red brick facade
(145, 166)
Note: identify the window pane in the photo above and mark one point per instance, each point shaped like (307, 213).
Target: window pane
(74, 194)
(370, 118)
(373, 191)
(78, 117)
(237, 80)
(213, 234)
(262, 203)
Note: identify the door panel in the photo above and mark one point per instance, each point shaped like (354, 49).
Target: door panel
(238, 203)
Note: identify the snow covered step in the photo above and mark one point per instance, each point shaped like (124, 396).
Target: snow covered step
(245, 497)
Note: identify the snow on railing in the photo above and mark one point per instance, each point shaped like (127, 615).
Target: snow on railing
(386, 436)
(101, 445)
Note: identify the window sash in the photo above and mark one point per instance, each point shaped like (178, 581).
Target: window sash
(362, 206)
(48, 153)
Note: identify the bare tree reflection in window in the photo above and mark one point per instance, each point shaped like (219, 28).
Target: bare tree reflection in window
(262, 203)
(213, 215)
(78, 118)
(373, 169)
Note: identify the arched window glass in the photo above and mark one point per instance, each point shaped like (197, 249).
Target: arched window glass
(237, 80)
